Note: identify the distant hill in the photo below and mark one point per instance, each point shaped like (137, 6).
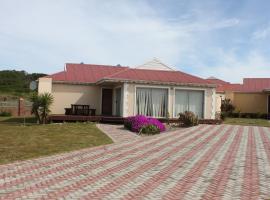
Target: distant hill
(16, 82)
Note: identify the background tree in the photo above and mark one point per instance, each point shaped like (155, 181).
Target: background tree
(17, 82)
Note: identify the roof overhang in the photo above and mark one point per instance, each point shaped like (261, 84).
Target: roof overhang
(73, 83)
(108, 80)
(266, 90)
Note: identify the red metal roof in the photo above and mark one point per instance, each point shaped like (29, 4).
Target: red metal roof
(256, 84)
(229, 87)
(158, 76)
(249, 85)
(217, 81)
(88, 73)
(85, 73)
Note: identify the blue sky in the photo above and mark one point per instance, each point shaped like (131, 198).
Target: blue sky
(227, 39)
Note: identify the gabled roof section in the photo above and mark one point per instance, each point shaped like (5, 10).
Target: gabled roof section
(155, 64)
(217, 81)
(95, 74)
(60, 76)
(160, 76)
(85, 73)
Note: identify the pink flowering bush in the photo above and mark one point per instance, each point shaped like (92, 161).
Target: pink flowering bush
(143, 124)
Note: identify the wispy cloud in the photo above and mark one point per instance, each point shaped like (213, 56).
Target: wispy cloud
(43, 35)
(230, 68)
(262, 33)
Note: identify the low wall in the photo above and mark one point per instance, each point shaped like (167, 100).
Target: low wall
(17, 108)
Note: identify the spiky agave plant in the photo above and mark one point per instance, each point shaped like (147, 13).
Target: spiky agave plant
(41, 106)
(46, 100)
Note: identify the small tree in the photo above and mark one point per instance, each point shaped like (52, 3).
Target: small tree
(35, 99)
(227, 106)
(41, 106)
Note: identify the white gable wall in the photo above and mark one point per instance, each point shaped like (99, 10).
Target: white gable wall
(155, 64)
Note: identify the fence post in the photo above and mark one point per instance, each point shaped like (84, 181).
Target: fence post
(21, 107)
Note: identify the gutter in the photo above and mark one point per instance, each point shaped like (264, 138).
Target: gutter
(154, 82)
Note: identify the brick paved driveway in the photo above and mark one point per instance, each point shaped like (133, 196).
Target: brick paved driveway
(203, 162)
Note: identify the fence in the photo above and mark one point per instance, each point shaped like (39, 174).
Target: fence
(19, 107)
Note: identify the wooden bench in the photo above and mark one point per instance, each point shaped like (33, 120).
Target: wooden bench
(80, 109)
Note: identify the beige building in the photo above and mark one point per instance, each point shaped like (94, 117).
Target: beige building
(153, 89)
(253, 96)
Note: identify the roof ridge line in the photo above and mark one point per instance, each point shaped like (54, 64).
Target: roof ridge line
(116, 73)
(96, 65)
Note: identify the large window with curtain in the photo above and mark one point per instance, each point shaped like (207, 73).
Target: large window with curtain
(152, 102)
(189, 100)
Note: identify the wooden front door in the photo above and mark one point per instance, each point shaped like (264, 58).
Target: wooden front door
(107, 101)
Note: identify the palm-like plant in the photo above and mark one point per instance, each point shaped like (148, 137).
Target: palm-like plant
(41, 106)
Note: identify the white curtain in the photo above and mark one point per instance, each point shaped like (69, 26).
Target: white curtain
(189, 101)
(144, 101)
(152, 102)
(196, 103)
(181, 102)
(159, 100)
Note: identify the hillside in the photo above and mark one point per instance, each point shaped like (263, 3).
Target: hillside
(16, 83)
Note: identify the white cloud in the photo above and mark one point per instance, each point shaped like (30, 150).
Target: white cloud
(43, 35)
(262, 33)
(233, 69)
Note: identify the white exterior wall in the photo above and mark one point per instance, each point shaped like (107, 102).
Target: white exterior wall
(44, 85)
(65, 95)
(219, 97)
(209, 99)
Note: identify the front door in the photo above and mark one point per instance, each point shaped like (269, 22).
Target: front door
(118, 101)
(107, 101)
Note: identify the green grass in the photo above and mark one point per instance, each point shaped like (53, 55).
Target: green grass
(18, 142)
(247, 122)
(18, 120)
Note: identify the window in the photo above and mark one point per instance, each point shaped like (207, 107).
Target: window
(187, 100)
(152, 102)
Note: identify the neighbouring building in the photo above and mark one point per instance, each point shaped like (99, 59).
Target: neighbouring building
(252, 96)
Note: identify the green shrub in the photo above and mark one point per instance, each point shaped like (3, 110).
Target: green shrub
(223, 115)
(227, 106)
(5, 114)
(150, 130)
(188, 119)
(246, 115)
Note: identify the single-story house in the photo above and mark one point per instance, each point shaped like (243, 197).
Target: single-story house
(252, 96)
(152, 89)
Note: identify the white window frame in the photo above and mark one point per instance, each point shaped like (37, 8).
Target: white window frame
(114, 100)
(191, 89)
(151, 86)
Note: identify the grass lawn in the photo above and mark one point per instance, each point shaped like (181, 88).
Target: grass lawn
(20, 120)
(18, 142)
(247, 122)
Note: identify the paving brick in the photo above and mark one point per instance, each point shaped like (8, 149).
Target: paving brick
(203, 162)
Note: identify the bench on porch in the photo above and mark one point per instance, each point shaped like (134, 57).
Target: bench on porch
(80, 109)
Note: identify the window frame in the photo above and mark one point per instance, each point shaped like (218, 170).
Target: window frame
(151, 87)
(191, 89)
